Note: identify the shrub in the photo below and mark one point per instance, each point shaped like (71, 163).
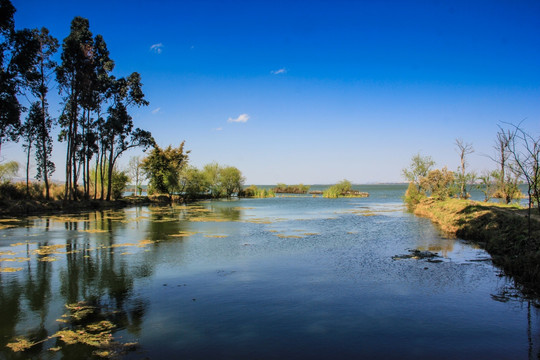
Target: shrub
(119, 183)
(337, 190)
(413, 196)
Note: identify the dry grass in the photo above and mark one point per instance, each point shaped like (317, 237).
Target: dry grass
(502, 229)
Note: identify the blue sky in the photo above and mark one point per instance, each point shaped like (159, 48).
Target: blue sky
(326, 90)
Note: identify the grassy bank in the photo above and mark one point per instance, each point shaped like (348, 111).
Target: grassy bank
(502, 229)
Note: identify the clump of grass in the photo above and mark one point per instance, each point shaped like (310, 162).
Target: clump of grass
(343, 188)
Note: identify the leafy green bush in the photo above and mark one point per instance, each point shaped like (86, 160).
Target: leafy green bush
(119, 183)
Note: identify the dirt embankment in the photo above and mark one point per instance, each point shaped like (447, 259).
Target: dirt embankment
(503, 230)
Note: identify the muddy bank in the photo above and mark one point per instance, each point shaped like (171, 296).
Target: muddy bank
(502, 230)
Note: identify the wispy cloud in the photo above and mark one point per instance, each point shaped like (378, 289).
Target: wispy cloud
(156, 110)
(279, 71)
(157, 48)
(218, 129)
(242, 118)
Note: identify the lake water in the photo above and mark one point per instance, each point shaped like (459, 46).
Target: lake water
(281, 278)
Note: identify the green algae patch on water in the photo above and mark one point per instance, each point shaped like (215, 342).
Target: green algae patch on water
(183, 234)
(20, 344)
(49, 249)
(283, 236)
(47, 258)
(9, 269)
(7, 253)
(16, 259)
(96, 336)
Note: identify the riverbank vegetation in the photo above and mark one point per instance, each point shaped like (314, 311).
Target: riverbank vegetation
(509, 232)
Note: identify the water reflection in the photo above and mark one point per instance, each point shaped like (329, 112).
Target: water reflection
(219, 274)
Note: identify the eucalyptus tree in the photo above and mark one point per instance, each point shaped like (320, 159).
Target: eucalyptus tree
(119, 133)
(94, 97)
(73, 76)
(39, 122)
(28, 133)
(17, 54)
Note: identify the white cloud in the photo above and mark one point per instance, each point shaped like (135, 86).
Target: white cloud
(157, 48)
(242, 118)
(155, 111)
(279, 71)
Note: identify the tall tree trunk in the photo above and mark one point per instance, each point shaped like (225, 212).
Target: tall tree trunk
(102, 173)
(45, 157)
(28, 168)
(96, 175)
(110, 171)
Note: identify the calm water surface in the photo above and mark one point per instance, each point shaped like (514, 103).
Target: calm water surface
(290, 277)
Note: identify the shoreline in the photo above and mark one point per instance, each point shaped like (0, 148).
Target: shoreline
(501, 229)
(33, 207)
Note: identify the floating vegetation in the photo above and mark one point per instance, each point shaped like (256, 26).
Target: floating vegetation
(140, 244)
(9, 220)
(367, 213)
(259, 221)
(68, 219)
(199, 209)
(207, 219)
(7, 253)
(92, 231)
(273, 231)
(183, 234)
(283, 236)
(243, 208)
(48, 249)
(216, 236)
(10, 269)
(96, 335)
(21, 244)
(20, 344)
(16, 259)
(47, 258)
(310, 234)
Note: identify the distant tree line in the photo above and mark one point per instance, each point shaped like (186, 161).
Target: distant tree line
(94, 123)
